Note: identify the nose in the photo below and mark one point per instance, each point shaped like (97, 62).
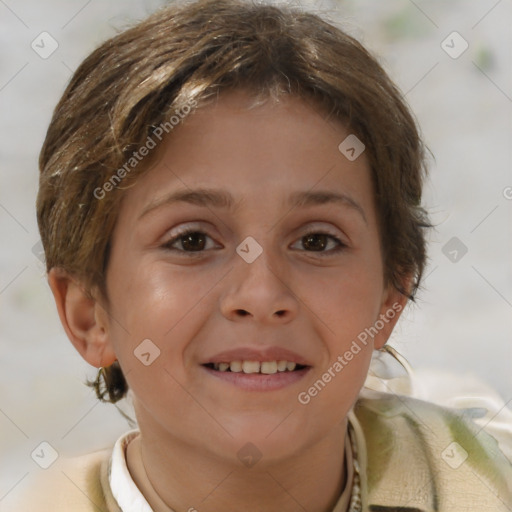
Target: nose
(259, 292)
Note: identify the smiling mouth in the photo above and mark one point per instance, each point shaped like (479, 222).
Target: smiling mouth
(256, 367)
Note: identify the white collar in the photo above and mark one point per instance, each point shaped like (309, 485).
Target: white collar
(130, 499)
(124, 489)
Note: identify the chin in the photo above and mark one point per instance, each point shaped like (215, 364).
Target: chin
(265, 437)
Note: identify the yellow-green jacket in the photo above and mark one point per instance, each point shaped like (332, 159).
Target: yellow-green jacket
(415, 457)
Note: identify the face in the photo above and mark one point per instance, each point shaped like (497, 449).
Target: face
(270, 259)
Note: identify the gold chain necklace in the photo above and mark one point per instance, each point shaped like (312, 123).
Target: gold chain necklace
(356, 504)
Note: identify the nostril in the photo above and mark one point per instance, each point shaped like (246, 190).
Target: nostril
(242, 312)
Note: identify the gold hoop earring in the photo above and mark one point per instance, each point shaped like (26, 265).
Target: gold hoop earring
(382, 377)
(399, 358)
(110, 384)
(100, 384)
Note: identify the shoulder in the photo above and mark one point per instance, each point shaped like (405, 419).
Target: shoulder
(69, 484)
(420, 453)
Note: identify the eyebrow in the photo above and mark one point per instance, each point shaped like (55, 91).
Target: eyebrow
(217, 198)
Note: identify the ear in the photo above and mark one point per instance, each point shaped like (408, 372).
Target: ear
(84, 319)
(393, 304)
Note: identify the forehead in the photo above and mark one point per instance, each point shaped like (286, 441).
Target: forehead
(256, 153)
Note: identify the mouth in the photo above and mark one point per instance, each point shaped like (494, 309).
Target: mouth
(256, 367)
(251, 375)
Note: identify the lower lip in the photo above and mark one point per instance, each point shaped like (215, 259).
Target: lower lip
(259, 381)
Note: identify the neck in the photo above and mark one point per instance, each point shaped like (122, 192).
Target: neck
(183, 479)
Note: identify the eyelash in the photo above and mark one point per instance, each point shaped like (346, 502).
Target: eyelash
(168, 245)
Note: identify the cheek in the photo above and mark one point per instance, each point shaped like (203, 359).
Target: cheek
(157, 303)
(346, 298)
(346, 305)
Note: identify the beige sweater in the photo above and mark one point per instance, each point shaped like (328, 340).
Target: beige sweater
(414, 455)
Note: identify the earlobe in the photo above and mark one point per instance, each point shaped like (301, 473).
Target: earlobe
(79, 315)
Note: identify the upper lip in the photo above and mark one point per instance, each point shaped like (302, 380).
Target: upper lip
(257, 354)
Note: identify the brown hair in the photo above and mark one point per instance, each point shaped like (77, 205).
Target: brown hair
(185, 53)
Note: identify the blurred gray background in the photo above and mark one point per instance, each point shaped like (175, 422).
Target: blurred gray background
(462, 97)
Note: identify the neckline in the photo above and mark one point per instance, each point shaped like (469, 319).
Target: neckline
(130, 497)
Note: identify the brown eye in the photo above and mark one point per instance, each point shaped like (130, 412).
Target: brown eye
(194, 241)
(315, 242)
(322, 243)
(190, 241)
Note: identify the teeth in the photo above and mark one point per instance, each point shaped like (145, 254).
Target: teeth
(236, 366)
(251, 367)
(281, 366)
(290, 366)
(266, 367)
(269, 367)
